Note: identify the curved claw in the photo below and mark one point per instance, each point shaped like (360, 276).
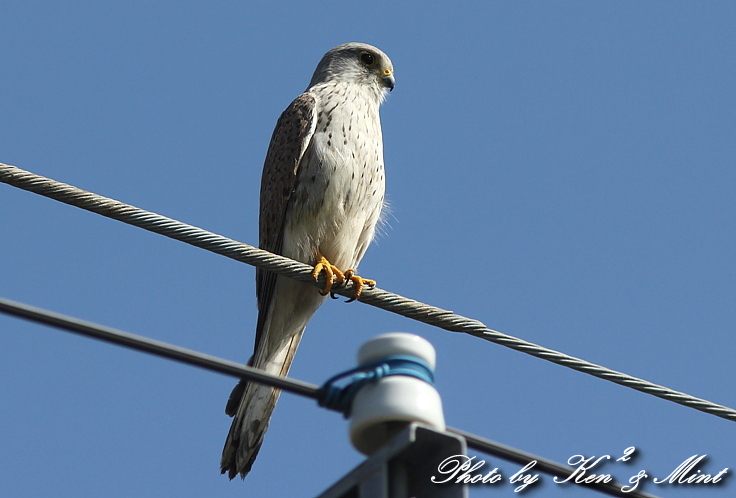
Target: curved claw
(332, 274)
(358, 284)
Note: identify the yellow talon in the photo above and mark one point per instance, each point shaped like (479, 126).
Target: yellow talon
(333, 276)
(331, 273)
(358, 284)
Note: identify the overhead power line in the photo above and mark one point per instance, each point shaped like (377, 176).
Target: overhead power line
(374, 296)
(219, 365)
(158, 348)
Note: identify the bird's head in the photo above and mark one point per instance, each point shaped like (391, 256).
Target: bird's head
(356, 63)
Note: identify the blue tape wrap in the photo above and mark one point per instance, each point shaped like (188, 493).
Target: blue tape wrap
(340, 398)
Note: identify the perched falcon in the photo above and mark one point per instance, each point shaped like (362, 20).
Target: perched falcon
(322, 192)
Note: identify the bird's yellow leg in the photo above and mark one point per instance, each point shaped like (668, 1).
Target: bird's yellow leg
(358, 283)
(331, 273)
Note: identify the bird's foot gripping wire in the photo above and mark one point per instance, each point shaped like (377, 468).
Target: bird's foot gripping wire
(358, 284)
(333, 276)
(332, 273)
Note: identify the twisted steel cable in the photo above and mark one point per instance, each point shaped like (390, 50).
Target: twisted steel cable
(379, 298)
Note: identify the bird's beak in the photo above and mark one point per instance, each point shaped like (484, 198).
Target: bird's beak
(387, 79)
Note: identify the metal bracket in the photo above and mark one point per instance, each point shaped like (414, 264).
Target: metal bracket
(403, 468)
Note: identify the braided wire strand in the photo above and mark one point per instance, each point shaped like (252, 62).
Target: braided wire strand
(379, 298)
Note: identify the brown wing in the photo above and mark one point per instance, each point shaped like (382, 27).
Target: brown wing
(290, 139)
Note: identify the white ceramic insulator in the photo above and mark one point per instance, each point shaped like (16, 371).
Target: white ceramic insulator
(383, 408)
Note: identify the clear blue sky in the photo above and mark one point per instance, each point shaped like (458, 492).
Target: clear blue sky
(562, 171)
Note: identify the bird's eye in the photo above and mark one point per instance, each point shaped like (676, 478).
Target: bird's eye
(367, 59)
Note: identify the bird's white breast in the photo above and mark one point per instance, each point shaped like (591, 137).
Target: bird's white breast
(341, 185)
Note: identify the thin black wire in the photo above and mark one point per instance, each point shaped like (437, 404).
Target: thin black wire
(219, 365)
(158, 348)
